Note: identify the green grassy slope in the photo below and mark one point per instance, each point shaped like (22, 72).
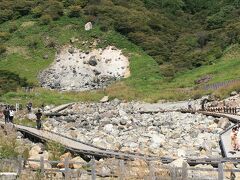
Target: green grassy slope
(27, 46)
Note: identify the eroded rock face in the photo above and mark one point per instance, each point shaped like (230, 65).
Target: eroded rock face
(79, 71)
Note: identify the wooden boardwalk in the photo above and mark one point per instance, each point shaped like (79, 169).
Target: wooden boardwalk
(81, 147)
(85, 148)
(225, 138)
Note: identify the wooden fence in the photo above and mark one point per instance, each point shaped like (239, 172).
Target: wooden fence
(216, 86)
(226, 110)
(153, 171)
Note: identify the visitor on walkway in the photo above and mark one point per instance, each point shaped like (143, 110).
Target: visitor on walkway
(29, 107)
(234, 142)
(42, 107)
(238, 136)
(190, 105)
(39, 122)
(6, 114)
(11, 114)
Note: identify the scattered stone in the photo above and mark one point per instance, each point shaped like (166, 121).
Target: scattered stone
(123, 122)
(88, 26)
(224, 123)
(31, 116)
(178, 163)
(62, 158)
(45, 56)
(92, 61)
(71, 50)
(80, 162)
(119, 125)
(234, 93)
(104, 99)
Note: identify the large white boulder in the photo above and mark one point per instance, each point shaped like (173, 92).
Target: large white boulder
(88, 26)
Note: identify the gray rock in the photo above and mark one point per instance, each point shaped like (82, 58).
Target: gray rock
(104, 99)
(108, 128)
(88, 26)
(92, 61)
(234, 93)
(45, 56)
(224, 123)
(123, 122)
(71, 50)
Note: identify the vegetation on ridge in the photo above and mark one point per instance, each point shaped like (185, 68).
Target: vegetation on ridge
(185, 40)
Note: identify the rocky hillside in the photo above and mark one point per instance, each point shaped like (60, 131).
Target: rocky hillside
(79, 71)
(169, 53)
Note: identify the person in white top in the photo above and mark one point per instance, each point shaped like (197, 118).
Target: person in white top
(238, 136)
(11, 115)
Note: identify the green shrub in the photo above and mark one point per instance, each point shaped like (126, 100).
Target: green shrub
(167, 70)
(13, 28)
(4, 36)
(45, 19)
(33, 43)
(5, 15)
(75, 11)
(55, 149)
(3, 49)
(7, 144)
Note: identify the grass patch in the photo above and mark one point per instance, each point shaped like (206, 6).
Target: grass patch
(25, 122)
(55, 149)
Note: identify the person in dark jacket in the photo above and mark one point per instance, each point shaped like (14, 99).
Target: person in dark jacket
(39, 122)
(29, 107)
(6, 114)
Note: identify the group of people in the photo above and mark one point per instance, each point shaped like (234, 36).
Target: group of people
(235, 138)
(9, 112)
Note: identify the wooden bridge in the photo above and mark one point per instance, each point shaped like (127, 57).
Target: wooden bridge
(91, 150)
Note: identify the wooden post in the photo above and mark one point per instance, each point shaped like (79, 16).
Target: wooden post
(184, 171)
(220, 171)
(93, 171)
(42, 165)
(122, 170)
(151, 171)
(173, 173)
(66, 167)
(20, 164)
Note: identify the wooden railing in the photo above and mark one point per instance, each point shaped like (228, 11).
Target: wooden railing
(226, 110)
(154, 170)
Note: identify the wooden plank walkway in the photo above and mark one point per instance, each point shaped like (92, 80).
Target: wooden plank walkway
(225, 137)
(81, 147)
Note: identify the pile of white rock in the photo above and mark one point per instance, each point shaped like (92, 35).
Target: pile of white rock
(74, 69)
(120, 126)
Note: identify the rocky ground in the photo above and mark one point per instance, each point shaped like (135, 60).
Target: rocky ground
(131, 127)
(154, 129)
(78, 70)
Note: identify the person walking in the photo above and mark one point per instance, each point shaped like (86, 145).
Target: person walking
(6, 114)
(190, 108)
(11, 114)
(39, 121)
(29, 107)
(234, 142)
